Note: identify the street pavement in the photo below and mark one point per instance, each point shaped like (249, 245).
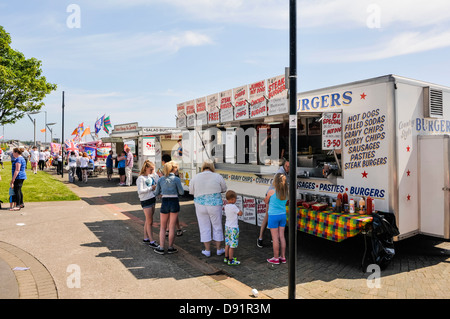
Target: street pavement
(92, 249)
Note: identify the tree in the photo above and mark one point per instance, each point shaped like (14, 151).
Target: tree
(22, 85)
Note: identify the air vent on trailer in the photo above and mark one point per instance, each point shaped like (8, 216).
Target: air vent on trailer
(433, 102)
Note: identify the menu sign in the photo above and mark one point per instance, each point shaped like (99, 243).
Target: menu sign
(190, 107)
(260, 211)
(212, 106)
(240, 103)
(258, 105)
(200, 106)
(181, 109)
(332, 131)
(226, 106)
(249, 212)
(276, 87)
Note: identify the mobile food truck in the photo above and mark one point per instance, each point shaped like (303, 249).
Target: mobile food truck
(386, 138)
(145, 143)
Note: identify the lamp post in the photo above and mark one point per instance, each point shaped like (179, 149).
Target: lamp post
(292, 147)
(51, 131)
(37, 112)
(34, 125)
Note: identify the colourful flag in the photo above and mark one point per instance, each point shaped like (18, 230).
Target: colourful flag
(43, 130)
(106, 124)
(99, 124)
(107, 121)
(71, 146)
(80, 129)
(75, 132)
(86, 131)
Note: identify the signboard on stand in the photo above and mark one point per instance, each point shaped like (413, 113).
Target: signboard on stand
(332, 131)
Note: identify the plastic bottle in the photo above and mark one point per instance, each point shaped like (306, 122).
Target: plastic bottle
(362, 203)
(338, 205)
(345, 198)
(369, 206)
(345, 202)
(352, 206)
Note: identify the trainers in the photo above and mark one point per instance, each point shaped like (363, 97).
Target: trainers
(153, 244)
(221, 251)
(225, 260)
(273, 260)
(146, 241)
(282, 260)
(234, 262)
(207, 253)
(259, 243)
(172, 250)
(159, 250)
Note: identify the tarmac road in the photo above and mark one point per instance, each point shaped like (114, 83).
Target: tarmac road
(92, 249)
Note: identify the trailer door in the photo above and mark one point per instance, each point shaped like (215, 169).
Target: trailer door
(434, 185)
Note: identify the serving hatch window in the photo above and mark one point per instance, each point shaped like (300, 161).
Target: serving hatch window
(319, 144)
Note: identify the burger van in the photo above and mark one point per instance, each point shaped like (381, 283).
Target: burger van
(385, 137)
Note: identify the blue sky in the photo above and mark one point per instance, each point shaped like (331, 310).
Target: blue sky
(136, 59)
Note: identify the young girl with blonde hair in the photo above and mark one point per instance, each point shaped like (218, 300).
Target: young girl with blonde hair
(276, 200)
(169, 186)
(146, 184)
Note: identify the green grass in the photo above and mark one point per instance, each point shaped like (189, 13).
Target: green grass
(40, 187)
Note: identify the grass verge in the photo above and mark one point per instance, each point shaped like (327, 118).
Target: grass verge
(40, 187)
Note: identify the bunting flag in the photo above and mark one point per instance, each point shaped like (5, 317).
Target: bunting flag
(75, 132)
(86, 131)
(43, 130)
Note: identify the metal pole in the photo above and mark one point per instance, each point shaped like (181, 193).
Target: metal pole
(45, 128)
(34, 124)
(62, 139)
(292, 147)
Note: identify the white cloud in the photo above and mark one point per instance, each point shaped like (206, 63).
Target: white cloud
(73, 52)
(399, 45)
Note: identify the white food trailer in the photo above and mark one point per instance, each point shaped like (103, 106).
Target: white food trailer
(145, 143)
(385, 137)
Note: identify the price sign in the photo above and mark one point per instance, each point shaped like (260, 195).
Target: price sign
(332, 131)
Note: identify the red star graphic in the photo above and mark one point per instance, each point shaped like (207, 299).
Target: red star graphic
(408, 173)
(408, 197)
(364, 175)
(408, 148)
(363, 96)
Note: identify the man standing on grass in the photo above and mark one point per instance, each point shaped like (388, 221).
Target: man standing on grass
(34, 159)
(129, 167)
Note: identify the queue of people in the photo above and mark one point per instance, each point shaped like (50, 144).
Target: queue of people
(207, 188)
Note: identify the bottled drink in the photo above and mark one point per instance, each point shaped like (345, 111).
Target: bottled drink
(369, 207)
(352, 206)
(361, 205)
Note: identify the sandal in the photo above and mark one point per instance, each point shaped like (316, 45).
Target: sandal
(14, 209)
(179, 232)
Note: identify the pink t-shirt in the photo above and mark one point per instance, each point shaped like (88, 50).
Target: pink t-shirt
(130, 159)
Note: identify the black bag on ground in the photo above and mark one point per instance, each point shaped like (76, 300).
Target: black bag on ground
(384, 228)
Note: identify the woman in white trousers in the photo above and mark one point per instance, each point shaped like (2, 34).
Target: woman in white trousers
(207, 187)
